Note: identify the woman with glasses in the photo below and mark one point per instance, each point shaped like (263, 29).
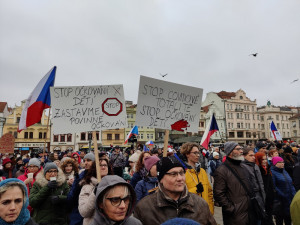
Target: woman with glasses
(195, 177)
(48, 196)
(284, 192)
(86, 202)
(115, 200)
(76, 158)
(14, 203)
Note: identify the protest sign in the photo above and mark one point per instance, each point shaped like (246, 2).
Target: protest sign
(87, 108)
(7, 143)
(167, 105)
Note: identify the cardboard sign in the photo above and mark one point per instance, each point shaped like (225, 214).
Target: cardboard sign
(7, 143)
(87, 108)
(168, 105)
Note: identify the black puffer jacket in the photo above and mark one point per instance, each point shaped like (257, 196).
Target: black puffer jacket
(230, 194)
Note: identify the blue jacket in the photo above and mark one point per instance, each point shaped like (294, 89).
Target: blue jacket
(284, 189)
(143, 186)
(72, 199)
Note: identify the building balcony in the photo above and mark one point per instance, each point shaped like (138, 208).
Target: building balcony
(239, 110)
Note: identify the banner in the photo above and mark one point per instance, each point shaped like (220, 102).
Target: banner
(167, 105)
(87, 108)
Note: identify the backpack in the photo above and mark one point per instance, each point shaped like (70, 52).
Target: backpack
(209, 171)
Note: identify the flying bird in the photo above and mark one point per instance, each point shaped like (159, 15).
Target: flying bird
(163, 75)
(294, 81)
(254, 54)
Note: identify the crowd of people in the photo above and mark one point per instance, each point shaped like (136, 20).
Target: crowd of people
(254, 185)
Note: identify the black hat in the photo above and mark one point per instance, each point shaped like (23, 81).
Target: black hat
(165, 164)
(117, 146)
(260, 145)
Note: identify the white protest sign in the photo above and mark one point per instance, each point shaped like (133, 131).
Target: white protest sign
(87, 108)
(168, 105)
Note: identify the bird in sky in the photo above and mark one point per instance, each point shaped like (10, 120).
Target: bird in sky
(254, 54)
(163, 75)
(294, 81)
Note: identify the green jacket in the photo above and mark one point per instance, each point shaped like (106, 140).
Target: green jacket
(44, 211)
(295, 209)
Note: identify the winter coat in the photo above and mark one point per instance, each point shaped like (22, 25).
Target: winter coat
(256, 182)
(118, 160)
(25, 176)
(230, 194)
(40, 199)
(295, 209)
(87, 198)
(143, 186)
(107, 182)
(137, 176)
(284, 189)
(73, 198)
(296, 176)
(192, 178)
(214, 164)
(5, 173)
(269, 189)
(157, 208)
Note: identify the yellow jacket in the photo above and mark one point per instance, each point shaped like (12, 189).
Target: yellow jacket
(191, 182)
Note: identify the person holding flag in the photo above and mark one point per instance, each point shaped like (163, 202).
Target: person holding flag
(133, 133)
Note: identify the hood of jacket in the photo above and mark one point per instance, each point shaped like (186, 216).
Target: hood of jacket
(108, 182)
(24, 215)
(42, 181)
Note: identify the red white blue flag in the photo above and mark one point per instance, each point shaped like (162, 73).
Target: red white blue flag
(209, 131)
(134, 131)
(38, 100)
(275, 132)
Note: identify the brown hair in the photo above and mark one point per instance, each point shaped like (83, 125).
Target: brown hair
(187, 147)
(271, 152)
(139, 163)
(70, 161)
(92, 172)
(246, 150)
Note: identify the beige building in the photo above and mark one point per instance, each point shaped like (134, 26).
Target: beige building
(295, 127)
(30, 139)
(281, 118)
(4, 112)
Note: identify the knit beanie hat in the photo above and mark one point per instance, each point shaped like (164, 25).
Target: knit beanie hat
(229, 146)
(26, 160)
(90, 156)
(34, 162)
(5, 161)
(135, 156)
(215, 154)
(165, 164)
(276, 159)
(180, 221)
(150, 161)
(49, 166)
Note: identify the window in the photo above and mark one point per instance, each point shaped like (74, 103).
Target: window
(254, 126)
(263, 135)
(278, 125)
(15, 134)
(261, 118)
(151, 136)
(201, 124)
(69, 137)
(288, 134)
(246, 125)
(287, 126)
(231, 134)
(26, 135)
(237, 115)
(83, 136)
(238, 125)
(252, 108)
(45, 135)
(148, 136)
(247, 107)
(62, 138)
(40, 135)
(228, 106)
(109, 136)
(228, 125)
(253, 117)
(241, 97)
(242, 125)
(277, 117)
(30, 135)
(18, 119)
(55, 138)
(97, 136)
(248, 134)
(232, 125)
(142, 136)
(283, 134)
(258, 126)
(231, 115)
(117, 136)
(283, 126)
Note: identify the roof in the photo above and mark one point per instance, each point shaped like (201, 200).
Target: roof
(205, 108)
(297, 116)
(226, 95)
(2, 106)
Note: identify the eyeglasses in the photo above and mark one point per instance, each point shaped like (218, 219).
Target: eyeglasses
(75, 157)
(175, 174)
(52, 171)
(116, 201)
(103, 165)
(32, 167)
(196, 153)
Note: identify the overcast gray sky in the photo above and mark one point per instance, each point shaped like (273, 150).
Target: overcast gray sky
(199, 43)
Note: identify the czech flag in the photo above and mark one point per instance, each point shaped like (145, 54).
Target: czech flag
(149, 143)
(209, 131)
(134, 131)
(275, 132)
(38, 100)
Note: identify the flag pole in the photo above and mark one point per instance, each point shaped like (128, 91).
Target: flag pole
(166, 141)
(96, 156)
(46, 133)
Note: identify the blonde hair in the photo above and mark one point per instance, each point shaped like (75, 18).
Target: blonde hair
(10, 185)
(111, 190)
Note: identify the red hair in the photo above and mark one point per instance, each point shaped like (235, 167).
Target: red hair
(259, 158)
(78, 159)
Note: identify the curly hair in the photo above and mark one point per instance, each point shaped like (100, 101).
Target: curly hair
(70, 161)
(140, 163)
(187, 147)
